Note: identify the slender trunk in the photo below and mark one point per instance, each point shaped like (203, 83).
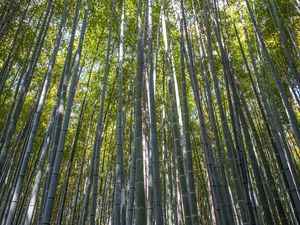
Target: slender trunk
(153, 128)
(119, 153)
(98, 139)
(175, 130)
(58, 159)
(139, 173)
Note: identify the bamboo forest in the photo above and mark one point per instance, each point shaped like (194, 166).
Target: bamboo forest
(150, 112)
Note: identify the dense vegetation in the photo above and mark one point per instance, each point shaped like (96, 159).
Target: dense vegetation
(149, 112)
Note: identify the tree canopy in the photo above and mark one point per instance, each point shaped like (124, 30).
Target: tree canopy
(149, 112)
